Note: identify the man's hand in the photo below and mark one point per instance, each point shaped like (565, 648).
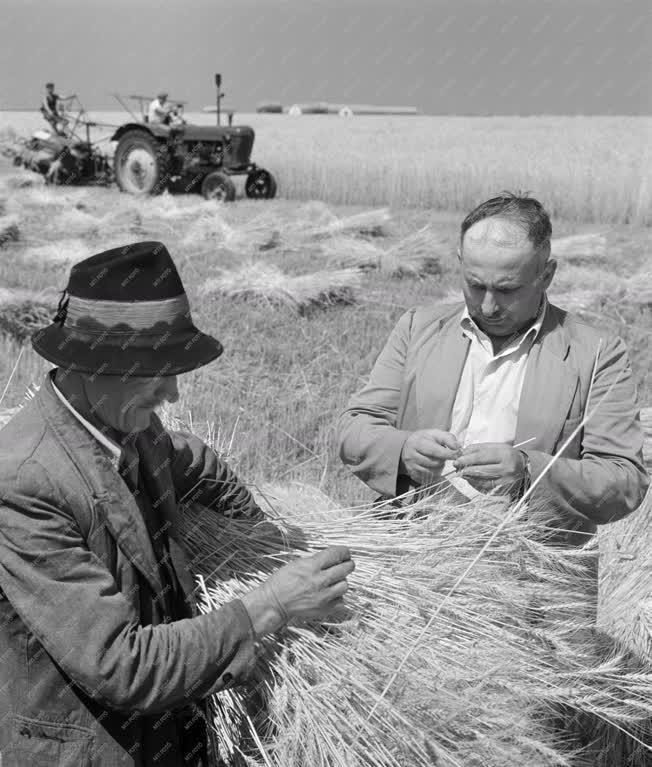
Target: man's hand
(425, 451)
(310, 587)
(488, 465)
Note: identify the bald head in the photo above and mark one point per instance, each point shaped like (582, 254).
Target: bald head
(504, 274)
(500, 237)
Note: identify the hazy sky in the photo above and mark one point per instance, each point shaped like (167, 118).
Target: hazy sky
(443, 56)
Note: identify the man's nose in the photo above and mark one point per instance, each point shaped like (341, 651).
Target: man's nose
(169, 389)
(489, 304)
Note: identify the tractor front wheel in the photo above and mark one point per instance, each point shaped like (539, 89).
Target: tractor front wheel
(218, 186)
(260, 185)
(140, 163)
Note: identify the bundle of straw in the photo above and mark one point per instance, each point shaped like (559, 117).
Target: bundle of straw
(23, 312)
(626, 580)
(580, 248)
(372, 223)
(492, 659)
(22, 180)
(569, 276)
(260, 233)
(65, 251)
(351, 253)
(76, 223)
(639, 288)
(9, 230)
(577, 300)
(416, 255)
(259, 281)
(646, 423)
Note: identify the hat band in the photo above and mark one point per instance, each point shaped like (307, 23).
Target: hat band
(138, 315)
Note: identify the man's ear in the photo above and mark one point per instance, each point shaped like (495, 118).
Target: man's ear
(459, 254)
(549, 272)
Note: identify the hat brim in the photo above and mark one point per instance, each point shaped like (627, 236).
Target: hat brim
(180, 353)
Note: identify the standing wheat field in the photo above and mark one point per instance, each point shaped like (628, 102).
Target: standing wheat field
(592, 169)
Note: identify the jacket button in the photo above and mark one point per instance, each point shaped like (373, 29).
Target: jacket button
(26, 732)
(227, 678)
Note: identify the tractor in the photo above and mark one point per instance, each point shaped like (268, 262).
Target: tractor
(152, 157)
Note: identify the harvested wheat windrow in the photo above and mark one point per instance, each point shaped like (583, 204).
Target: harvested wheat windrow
(646, 423)
(22, 312)
(639, 289)
(263, 282)
(66, 251)
(372, 223)
(22, 180)
(76, 223)
(507, 644)
(580, 248)
(416, 255)
(9, 230)
(577, 300)
(569, 276)
(626, 580)
(351, 252)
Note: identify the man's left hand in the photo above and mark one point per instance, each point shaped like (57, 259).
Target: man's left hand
(488, 465)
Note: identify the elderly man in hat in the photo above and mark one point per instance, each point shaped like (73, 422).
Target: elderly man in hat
(491, 395)
(104, 659)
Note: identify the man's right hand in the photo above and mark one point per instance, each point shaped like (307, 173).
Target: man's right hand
(309, 587)
(425, 452)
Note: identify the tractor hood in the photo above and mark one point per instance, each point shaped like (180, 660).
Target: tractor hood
(213, 132)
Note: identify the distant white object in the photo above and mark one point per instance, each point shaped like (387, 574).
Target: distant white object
(42, 134)
(295, 110)
(370, 109)
(345, 112)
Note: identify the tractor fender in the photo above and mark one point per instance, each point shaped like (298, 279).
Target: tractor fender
(158, 134)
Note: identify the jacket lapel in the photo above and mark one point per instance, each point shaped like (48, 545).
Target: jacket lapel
(110, 494)
(548, 388)
(439, 369)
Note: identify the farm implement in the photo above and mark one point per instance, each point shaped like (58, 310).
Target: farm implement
(150, 158)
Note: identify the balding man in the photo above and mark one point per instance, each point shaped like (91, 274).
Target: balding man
(488, 392)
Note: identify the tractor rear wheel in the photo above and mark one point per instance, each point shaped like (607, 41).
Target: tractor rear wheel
(218, 186)
(260, 185)
(140, 163)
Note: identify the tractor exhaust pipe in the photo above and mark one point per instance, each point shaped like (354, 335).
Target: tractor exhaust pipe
(218, 85)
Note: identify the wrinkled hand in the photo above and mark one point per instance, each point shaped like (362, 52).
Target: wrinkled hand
(488, 465)
(312, 587)
(426, 451)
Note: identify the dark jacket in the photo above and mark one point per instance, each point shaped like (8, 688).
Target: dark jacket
(90, 673)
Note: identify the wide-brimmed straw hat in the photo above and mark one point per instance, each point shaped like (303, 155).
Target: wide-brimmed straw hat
(125, 312)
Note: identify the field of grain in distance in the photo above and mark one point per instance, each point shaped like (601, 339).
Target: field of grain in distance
(590, 169)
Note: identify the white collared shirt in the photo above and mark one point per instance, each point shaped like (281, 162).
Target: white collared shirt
(487, 399)
(114, 450)
(488, 395)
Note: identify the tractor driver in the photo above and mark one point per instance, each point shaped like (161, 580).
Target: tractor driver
(160, 109)
(50, 110)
